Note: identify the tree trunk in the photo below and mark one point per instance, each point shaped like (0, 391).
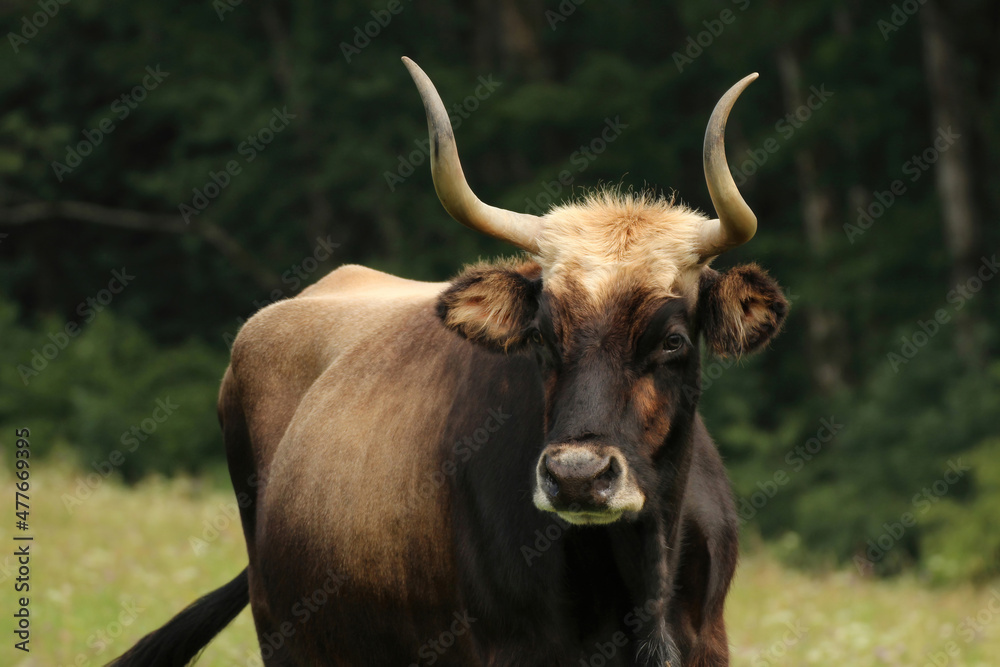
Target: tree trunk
(827, 348)
(954, 171)
(319, 210)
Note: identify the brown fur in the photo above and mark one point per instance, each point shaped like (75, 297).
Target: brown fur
(334, 462)
(307, 390)
(741, 310)
(597, 325)
(308, 377)
(648, 405)
(489, 303)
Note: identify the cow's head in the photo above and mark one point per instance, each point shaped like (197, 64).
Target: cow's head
(612, 303)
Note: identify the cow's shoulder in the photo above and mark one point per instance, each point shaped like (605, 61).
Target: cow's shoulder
(281, 352)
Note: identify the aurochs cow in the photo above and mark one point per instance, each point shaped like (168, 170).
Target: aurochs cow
(504, 469)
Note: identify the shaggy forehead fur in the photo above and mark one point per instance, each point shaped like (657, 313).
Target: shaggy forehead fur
(611, 236)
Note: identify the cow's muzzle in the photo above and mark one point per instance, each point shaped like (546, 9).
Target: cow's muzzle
(585, 483)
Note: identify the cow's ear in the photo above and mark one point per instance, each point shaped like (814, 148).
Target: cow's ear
(493, 304)
(740, 310)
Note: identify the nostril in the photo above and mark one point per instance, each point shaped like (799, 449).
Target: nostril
(615, 468)
(607, 477)
(549, 483)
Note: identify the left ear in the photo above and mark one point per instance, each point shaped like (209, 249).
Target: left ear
(740, 310)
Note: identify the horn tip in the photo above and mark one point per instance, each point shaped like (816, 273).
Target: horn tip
(424, 84)
(408, 63)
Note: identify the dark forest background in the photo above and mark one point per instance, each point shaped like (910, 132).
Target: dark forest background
(868, 149)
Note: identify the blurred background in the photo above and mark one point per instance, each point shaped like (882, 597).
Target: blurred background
(168, 169)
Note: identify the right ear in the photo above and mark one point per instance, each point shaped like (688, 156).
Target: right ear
(493, 304)
(740, 310)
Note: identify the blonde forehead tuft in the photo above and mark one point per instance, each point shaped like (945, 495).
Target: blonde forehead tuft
(609, 236)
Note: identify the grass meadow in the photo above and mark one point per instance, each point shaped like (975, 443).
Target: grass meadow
(126, 559)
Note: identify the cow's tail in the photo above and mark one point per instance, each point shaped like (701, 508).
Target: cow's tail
(187, 633)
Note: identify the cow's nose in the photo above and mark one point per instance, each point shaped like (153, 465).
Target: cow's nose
(579, 475)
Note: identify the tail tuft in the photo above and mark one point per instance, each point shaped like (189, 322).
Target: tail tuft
(187, 633)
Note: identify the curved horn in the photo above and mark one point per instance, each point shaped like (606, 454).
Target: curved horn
(452, 189)
(736, 223)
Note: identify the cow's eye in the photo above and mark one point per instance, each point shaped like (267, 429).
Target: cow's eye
(536, 337)
(673, 342)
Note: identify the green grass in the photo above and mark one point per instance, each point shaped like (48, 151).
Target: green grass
(123, 548)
